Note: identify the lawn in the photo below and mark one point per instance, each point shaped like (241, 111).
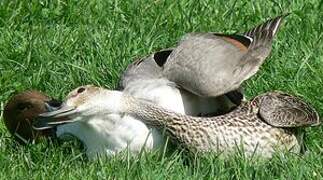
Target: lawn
(55, 46)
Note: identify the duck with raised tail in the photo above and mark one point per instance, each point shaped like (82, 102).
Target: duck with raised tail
(199, 76)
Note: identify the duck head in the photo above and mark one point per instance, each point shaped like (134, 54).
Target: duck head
(83, 104)
(283, 110)
(20, 112)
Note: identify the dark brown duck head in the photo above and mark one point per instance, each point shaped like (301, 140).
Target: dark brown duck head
(22, 109)
(283, 110)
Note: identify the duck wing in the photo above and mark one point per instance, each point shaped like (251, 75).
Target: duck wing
(283, 110)
(145, 72)
(144, 79)
(212, 64)
(146, 68)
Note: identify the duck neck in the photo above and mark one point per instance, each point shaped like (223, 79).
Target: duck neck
(153, 115)
(150, 113)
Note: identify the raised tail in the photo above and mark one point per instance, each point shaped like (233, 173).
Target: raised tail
(260, 47)
(265, 32)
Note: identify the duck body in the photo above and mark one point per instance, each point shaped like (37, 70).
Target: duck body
(102, 138)
(241, 130)
(269, 123)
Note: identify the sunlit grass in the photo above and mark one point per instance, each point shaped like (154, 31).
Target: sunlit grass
(54, 46)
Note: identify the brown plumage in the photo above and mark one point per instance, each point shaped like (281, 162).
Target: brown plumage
(268, 123)
(21, 110)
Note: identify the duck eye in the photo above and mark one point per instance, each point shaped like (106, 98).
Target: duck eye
(80, 90)
(23, 106)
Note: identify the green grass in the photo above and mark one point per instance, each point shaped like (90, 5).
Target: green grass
(55, 46)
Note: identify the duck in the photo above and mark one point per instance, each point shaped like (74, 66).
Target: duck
(269, 123)
(20, 112)
(201, 76)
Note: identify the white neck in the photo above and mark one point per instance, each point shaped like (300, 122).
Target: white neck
(109, 130)
(111, 101)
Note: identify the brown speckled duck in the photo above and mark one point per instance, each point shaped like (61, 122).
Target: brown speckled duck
(266, 124)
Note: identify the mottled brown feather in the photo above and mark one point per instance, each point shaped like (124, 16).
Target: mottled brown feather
(283, 110)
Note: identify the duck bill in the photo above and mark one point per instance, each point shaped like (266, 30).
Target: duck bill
(57, 116)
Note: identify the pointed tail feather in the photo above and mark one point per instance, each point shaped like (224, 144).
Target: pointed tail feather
(260, 47)
(264, 32)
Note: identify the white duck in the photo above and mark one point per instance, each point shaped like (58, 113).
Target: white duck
(191, 79)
